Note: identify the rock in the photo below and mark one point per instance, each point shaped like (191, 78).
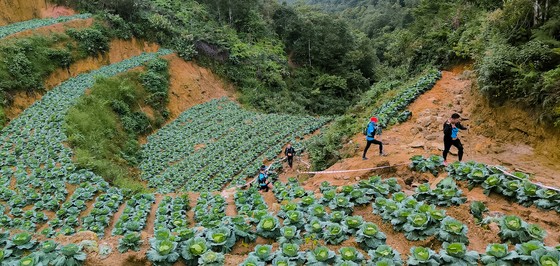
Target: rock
(357, 178)
(415, 130)
(409, 180)
(346, 178)
(417, 144)
(431, 137)
(424, 121)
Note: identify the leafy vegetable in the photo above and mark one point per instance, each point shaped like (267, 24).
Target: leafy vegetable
(349, 254)
(211, 258)
(193, 249)
(369, 236)
(423, 256)
(268, 227)
(452, 230)
(497, 254)
(320, 256)
(457, 254)
(130, 241)
(70, 254)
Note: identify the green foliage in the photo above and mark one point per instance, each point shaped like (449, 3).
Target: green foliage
(423, 256)
(497, 254)
(94, 133)
(26, 62)
(320, 256)
(477, 208)
(70, 254)
(91, 41)
(457, 254)
(37, 23)
(194, 248)
(130, 241)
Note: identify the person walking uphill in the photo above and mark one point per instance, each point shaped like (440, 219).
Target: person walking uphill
(451, 129)
(290, 152)
(371, 131)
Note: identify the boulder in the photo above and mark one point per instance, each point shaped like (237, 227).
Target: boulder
(417, 144)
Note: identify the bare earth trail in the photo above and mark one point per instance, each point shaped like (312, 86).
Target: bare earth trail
(422, 134)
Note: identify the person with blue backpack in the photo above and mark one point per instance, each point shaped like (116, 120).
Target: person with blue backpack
(371, 131)
(262, 179)
(451, 129)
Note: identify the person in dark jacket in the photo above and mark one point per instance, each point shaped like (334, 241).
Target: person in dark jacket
(371, 131)
(263, 179)
(451, 129)
(290, 152)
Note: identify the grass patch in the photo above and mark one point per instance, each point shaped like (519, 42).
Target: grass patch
(104, 126)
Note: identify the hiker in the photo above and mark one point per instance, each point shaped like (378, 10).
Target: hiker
(290, 152)
(263, 179)
(450, 131)
(371, 131)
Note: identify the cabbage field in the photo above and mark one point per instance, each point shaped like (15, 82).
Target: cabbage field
(214, 148)
(235, 143)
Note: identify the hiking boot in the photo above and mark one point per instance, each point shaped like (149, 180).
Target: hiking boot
(383, 154)
(364, 158)
(444, 163)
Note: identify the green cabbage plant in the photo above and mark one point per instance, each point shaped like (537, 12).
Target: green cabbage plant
(211, 258)
(349, 254)
(290, 234)
(452, 230)
(418, 227)
(422, 256)
(457, 254)
(498, 254)
(320, 256)
(220, 239)
(384, 253)
(193, 249)
(263, 253)
(130, 241)
(70, 254)
(269, 227)
(369, 236)
(334, 233)
(513, 229)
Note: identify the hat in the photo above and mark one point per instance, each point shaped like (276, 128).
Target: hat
(373, 119)
(263, 167)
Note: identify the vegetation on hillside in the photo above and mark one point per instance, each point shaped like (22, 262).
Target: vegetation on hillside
(104, 126)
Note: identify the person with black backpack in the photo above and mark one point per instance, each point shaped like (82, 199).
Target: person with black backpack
(290, 152)
(450, 130)
(370, 131)
(263, 179)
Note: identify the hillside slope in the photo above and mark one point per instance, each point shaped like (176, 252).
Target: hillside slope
(483, 142)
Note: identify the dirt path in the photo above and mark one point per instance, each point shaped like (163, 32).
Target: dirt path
(422, 135)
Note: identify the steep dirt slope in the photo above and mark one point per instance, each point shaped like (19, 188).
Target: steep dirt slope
(422, 135)
(20, 10)
(486, 141)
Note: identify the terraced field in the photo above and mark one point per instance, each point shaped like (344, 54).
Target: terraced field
(46, 200)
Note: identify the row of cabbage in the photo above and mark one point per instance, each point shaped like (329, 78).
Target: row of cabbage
(49, 195)
(22, 249)
(215, 143)
(516, 186)
(394, 111)
(37, 23)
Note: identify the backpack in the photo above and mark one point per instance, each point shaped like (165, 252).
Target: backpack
(375, 127)
(262, 179)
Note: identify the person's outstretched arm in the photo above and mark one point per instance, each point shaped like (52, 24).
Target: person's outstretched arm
(461, 127)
